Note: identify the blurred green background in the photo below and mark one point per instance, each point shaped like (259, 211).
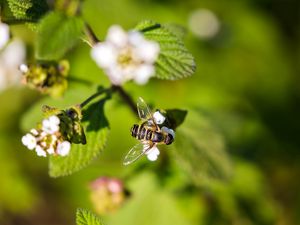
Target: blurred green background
(244, 97)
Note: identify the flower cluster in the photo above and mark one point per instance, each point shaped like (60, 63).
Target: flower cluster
(126, 56)
(48, 77)
(107, 194)
(154, 152)
(47, 139)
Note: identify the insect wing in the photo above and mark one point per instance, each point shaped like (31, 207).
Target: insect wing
(143, 110)
(135, 153)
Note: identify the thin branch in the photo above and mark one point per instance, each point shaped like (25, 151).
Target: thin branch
(79, 80)
(90, 35)
(92, 97)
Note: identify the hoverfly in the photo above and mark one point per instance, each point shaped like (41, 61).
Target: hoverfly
(148, 133)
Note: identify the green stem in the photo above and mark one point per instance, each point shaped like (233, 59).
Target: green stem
(90, 35)
(123, 94)
(155, 26)
(79, 80)
(92, 97)
(17, 21)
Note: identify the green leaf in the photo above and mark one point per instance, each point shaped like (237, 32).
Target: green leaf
(58, 33)
(28, 10)
(96, 129)
(85, 217)
(174, 61)
(200, 150)
(175, 117)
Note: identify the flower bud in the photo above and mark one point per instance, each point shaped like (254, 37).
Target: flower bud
(107, 194)
(47, 77)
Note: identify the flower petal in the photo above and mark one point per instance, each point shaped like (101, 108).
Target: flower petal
(14, 55)
(4, 34)
(159, 118)
(153, 153)
(63, 148)
(143, 73)
(54, 120)
(104, 54)
(147, 51)
(117, 36)
(40, 151)
(29, 141)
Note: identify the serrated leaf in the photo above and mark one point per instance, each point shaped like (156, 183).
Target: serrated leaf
(58, 33)
(96, 129)
(178, 30)
(200, 149)
(174, 61)
(85, 217)
(28, 10)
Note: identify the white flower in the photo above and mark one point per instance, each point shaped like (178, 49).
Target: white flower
(23, 68)
(50, 150)
(158, 117)
(4, 34)
(29, 141)
(153, 153)
(51, 125)
(63, 148)
(10, 59)
(126, 56)
(40, 151)
(34, 132)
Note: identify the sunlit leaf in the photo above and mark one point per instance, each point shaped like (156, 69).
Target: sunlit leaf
(57, 34)
(28, 10)
(85, 217)
(174, 61)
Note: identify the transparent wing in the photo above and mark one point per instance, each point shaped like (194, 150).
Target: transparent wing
(143, 110)
(135, 153)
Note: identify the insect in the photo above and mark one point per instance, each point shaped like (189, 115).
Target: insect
(148, 133)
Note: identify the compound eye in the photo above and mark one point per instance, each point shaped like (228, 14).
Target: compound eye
(72, 114)
(169, 139)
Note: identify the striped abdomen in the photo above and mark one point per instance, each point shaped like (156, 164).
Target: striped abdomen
(141, 132)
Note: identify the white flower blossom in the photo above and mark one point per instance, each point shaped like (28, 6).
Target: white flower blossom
(23, 68)
(4, 34)
(47, 139)
(40, 151)
(153, 153)
(158, 117)
(63, 148)
(29, 141)
(50, 151)
(10, 58)
(51, 125)
(126, 56)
